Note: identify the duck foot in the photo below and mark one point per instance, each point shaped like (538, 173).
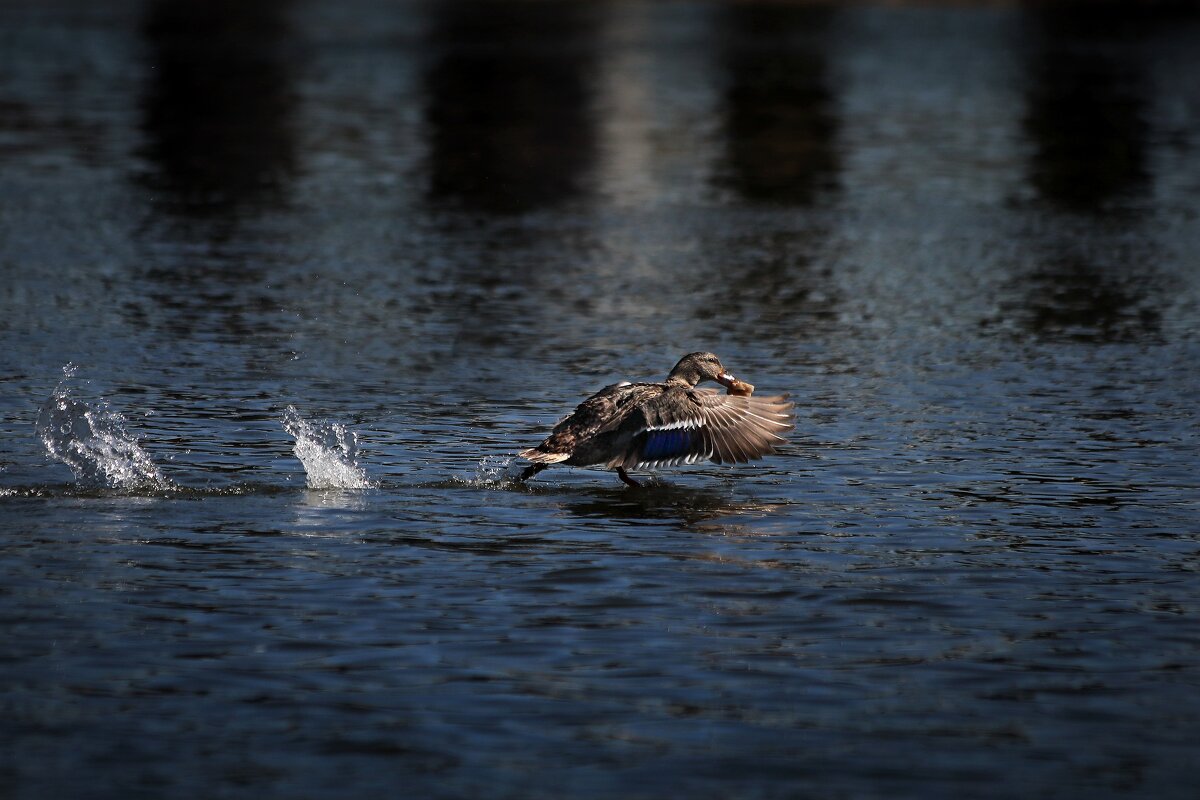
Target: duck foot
(628, 480)
(530, 471)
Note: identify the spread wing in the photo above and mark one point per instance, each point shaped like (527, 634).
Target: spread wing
(688, 426)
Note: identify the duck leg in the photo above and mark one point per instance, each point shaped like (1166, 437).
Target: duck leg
(530, 471)
(625, 477)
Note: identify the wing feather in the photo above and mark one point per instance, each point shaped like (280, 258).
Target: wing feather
(688, 425)
(724, 432)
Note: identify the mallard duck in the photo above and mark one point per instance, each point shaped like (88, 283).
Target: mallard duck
(632, 426)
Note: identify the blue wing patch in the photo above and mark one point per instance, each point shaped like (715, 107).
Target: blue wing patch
(662, 445)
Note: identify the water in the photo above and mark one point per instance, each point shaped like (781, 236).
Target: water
(963, 239)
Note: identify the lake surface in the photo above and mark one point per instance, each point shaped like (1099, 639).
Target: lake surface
(965, 240)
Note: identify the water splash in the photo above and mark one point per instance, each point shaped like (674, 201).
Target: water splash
(92, 440)
(328, 452)
(494, 470)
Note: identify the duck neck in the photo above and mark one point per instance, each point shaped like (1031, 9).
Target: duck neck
(683, 378)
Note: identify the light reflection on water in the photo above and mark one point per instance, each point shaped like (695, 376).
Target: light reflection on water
(961, 238)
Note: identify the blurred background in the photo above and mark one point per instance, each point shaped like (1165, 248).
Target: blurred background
(437, 186)
(963, 236)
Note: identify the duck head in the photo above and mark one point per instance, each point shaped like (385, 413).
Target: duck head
(696, 367)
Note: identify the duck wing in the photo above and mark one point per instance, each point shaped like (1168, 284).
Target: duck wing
(604, 411)
(686, 426)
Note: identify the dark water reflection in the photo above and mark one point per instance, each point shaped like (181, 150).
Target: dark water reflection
(509, 104)
(1087, 119)
(962, 238)
(219, 107)
(781, 124)
(1069, 296)
(1089, 114)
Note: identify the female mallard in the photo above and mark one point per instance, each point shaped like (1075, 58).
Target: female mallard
(647, 425)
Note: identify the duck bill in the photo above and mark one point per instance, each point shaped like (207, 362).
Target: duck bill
(726, 380)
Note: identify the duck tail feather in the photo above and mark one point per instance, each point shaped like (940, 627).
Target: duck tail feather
(542, 457)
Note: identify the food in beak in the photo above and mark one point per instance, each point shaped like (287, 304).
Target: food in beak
(735, 386)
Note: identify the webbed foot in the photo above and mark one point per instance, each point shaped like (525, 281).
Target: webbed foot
(628, 480)
(530, 471)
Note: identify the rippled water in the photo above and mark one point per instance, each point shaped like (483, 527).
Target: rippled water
(964, 239)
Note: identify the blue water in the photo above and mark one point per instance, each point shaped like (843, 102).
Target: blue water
(247, 250)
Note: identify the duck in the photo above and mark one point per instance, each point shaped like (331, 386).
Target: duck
(637, 426)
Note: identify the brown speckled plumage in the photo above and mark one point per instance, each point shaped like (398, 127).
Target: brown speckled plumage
(631, 426)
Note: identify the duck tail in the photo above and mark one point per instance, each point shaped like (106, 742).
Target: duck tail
(542, 457)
